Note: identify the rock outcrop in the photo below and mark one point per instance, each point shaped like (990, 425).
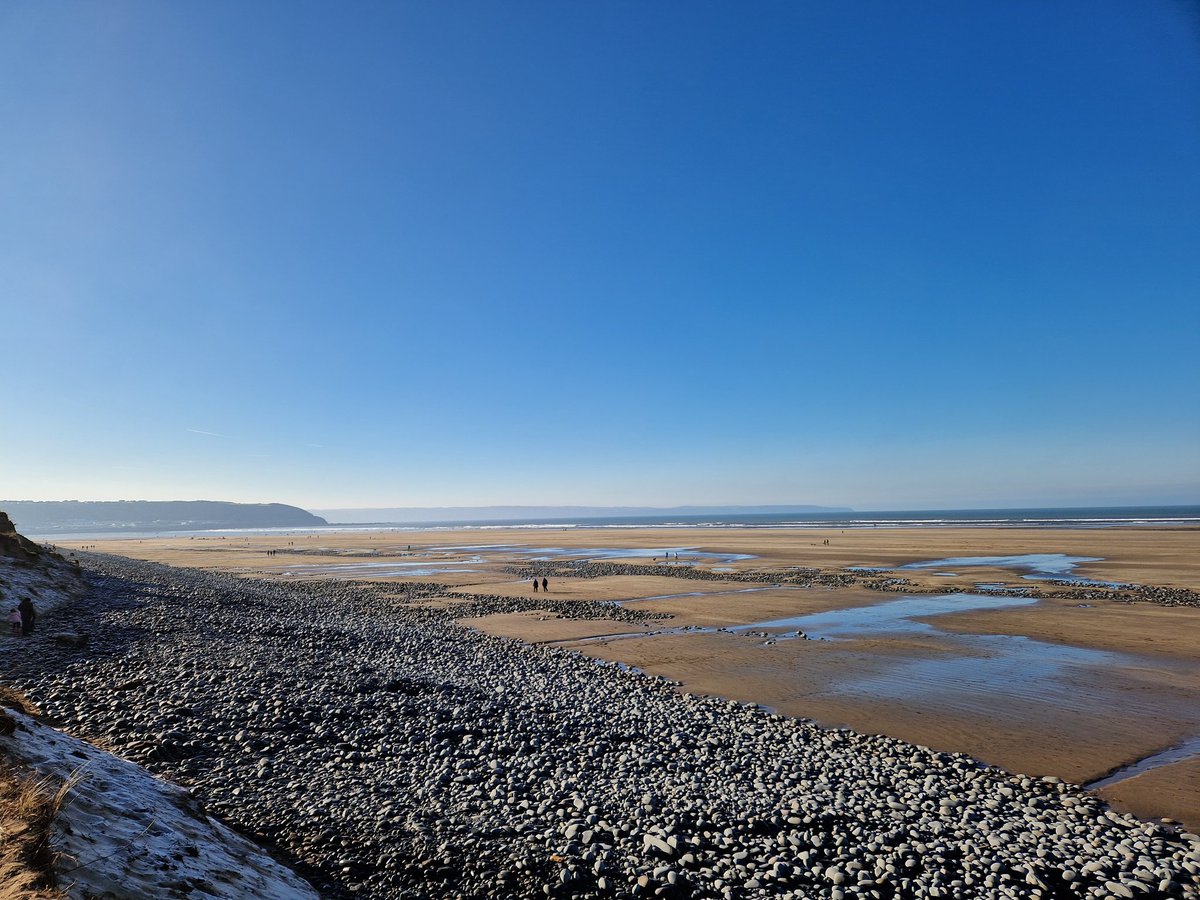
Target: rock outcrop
(16, 546)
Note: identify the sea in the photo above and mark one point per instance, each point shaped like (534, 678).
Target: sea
(1047, 517)
(1040, 517)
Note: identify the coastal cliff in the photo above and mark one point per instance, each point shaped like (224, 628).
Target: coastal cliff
(50, 517)
(16, 546)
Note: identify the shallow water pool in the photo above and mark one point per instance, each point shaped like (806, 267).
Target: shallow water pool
(686, 555)
(1039, 566)
(385, 569)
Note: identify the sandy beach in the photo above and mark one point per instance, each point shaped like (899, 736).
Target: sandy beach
(966, 681)
(383, 750)
(1168, 557)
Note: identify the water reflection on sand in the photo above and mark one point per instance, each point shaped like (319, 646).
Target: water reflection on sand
(682, 555)
(1039, 566)
(972, 674)
(389, 569)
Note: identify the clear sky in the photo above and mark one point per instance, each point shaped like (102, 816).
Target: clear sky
(877, 254)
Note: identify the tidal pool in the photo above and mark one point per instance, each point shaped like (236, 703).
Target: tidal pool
(686, 555)
(983, 666)
(994, 677)
(1039, 566)
(892, 617)
(385, 569)
(983, 670)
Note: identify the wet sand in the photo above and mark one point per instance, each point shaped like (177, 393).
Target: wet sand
(1018, 732)
(616, 587)
(1168, 557)
(738, 606)
(542, 626)
(1105, 625)
(1170, 791)
(1076, 729)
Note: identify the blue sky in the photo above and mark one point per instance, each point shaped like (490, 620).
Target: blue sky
(873, 254)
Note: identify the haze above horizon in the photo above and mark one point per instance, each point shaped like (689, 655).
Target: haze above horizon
(873, 255)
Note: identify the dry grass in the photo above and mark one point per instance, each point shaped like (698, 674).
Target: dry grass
(28, 807)
(11, 698)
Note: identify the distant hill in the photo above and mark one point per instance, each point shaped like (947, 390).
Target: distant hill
(99, 517)
(555, 513)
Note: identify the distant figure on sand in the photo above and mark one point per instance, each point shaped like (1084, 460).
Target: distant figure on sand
(28, 615)
(14, 620)
(535, 585)
(545, 585)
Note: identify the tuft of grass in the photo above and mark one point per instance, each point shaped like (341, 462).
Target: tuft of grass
(28, 807)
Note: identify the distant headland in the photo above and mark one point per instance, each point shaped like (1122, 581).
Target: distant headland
(47, 517)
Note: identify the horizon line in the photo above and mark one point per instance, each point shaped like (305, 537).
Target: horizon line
(811, 507)
(768, 506)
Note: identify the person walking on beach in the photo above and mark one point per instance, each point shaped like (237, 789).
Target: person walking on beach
(535, 585)
(28, 615)
(14, 621)
(545, 585)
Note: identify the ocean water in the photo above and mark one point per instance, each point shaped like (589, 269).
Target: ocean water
(1082, 517)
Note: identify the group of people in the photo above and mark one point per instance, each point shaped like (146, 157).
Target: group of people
(545, 585)
(21, 619)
